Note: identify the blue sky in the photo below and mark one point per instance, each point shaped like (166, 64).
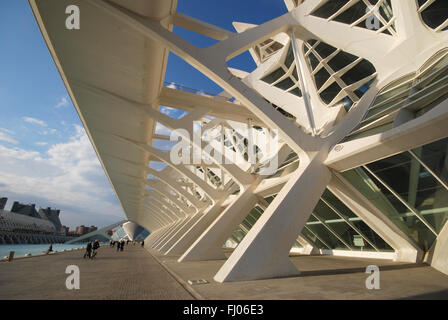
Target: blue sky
(45, 155)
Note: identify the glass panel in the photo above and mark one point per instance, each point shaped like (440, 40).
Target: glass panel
(406, 176)
(329, 8)
(436, 13)
(296, 91)
(238, 235)
(352, 14)
(338, 205)
(285, 84)
(330, 93)
(324, 50)
(313, 61)
(347, 232)
(360, 71)
(434, 155)
(309, 236)
(341, 60)
(289, 57)
(324, 234)
(275, 75)
(372, 236)
(390, 206)
(321, 77)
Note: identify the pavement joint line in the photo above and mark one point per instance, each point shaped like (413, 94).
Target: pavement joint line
(176, 277)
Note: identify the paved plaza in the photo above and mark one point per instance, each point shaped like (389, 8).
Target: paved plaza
(137, 273)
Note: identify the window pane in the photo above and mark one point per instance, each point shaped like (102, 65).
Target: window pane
(388, 204)
(434, 155)
(324, 234)
(406, 176)
(309, 236)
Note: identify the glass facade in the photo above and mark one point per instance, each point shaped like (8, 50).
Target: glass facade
(358, 13)
(332, 225)
(434, 13)
(410, 188)
(325, 62)
(285, 76)
(416, 93)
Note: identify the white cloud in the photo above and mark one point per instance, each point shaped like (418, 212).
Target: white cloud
(68, 176)
(62, 103)
(6, 130)
(35, 121)
(50, 131)
(7, 138)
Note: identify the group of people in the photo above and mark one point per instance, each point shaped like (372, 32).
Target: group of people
(120, 245)
(91, 249)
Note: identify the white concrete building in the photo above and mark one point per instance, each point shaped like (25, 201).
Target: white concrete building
(356, 89)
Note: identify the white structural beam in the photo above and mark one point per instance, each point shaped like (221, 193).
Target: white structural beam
(427, 128)
(264, 251)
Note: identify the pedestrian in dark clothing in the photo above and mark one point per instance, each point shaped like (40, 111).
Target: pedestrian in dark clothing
(95, 247)
(122, 245)
(88, 252)
(50, 249)
(143, 243)
(118, 246)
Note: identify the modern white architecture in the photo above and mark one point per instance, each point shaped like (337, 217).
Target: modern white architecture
(356, 90)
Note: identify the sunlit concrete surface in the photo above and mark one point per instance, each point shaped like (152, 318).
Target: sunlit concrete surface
(322, 277)
(131, 274)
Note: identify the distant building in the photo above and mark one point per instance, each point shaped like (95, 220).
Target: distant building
(25, 209)
(92, 228)
(82, 229)
(65, 230)
(3, 203)
(51, 215)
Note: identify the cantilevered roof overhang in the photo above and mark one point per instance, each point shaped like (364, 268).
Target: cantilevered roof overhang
(108, 69)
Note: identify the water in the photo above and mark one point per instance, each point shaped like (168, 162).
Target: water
(21, 250)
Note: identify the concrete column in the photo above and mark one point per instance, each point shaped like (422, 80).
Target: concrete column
(438, 257)
(209, 245)
(163, 233)
(187, 239)
(173, 230)
(176, 236)
(264, 252)
(155, 235)
(166, 234)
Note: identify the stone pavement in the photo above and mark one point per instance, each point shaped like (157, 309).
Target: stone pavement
(136, 273)
(322, 277)
(131, 274)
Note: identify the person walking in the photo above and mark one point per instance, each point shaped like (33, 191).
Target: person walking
(118, 245)
(95, 247)
(122, 245)
(143, 243)
(88, 252)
